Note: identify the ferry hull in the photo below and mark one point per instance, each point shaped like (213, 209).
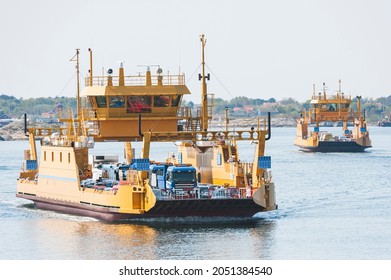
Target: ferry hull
(385, 124)
(244, 207)
(334, 147)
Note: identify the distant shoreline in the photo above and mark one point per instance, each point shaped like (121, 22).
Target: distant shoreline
(15, 130)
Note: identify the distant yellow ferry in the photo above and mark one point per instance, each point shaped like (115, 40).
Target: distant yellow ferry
(332, 110)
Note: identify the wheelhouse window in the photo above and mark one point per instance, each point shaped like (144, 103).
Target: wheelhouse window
(219, 159)
(175, 100)
(161, 101)
(138, 104)
(101, 101)
(116, 102)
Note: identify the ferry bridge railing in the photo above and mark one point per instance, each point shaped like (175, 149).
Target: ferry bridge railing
(337, 97)
(140, 80)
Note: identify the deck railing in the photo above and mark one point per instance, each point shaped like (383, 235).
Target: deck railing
(331, 97)
(199, 193)
(136, 80)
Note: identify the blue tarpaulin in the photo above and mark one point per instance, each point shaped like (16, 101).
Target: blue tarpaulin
(265, 162)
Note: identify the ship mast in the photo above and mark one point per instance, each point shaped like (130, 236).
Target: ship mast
(78, 84)
(203, 78)
(76, 59)
(91, 76)
(339, 83)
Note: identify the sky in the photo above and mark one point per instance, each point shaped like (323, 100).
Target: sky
(255, 48)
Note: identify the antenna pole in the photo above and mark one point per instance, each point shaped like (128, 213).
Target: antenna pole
(90, 66)
(339, 82)
(324, 91)
(78, 84)
(205, 116)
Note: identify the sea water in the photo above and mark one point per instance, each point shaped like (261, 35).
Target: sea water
(331, 206)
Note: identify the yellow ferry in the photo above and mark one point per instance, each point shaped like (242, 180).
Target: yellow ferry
(206, 178)
(332, 110)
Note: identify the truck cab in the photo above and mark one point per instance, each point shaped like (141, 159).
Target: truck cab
(181, 177)
(157, 175)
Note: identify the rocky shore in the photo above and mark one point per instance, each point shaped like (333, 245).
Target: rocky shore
(13, 131)
(276, 121)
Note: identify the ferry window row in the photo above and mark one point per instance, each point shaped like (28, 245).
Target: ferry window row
(138, 104)
(331, 107)
(52, 157)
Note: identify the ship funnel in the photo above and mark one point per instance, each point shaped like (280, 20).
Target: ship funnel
(148, 81)
(148, 77)
(121, 76)
(359, 106)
